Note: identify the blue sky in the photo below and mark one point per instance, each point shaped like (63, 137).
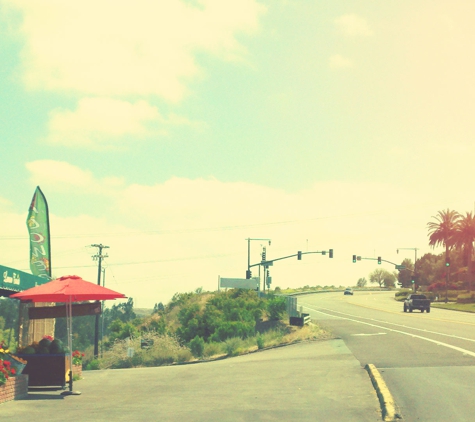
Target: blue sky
(173, 131)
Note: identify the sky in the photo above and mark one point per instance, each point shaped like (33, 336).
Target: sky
(174, 131)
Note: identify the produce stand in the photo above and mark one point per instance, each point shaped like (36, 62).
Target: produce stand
(47, 370)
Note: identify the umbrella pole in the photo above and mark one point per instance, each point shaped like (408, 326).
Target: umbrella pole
(69, 324)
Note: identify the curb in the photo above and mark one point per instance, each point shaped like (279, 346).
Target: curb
(386, 400)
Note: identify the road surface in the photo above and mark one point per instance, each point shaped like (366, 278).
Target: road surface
(426, 360)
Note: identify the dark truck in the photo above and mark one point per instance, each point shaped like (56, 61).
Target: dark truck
(414, 301)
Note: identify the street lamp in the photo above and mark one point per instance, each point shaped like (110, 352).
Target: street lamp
(415, 261)
(249, 255)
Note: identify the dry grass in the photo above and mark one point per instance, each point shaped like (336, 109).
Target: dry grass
(167, 350)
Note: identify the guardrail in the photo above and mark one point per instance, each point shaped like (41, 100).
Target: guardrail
(300, 321)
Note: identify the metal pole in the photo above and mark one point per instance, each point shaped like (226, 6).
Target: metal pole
(415, 261)
(446, 274)
(248, 254)
(99, 257)
(102, 309)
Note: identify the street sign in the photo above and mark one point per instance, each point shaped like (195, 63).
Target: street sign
(13, 281)
(400, 267)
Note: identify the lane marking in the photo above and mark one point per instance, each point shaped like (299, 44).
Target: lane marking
(392, 323)
(432, 318)
(439, 343)
(363, 334)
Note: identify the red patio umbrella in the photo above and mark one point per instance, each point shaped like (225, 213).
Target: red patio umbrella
(68, 289)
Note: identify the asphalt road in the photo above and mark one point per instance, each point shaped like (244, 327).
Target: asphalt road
(316, 381)
(426, 360)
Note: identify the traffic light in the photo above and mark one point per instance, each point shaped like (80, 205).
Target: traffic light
(263, 254)
(354, 258)
(447, 262)
(379, 260)
(330, 253)
(248, 274)
(299, 255)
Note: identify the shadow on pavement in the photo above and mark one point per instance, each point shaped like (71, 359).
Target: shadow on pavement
(44, 393)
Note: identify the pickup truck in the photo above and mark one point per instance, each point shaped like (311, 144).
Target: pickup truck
(414, 301)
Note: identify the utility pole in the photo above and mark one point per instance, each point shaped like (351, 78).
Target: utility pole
(415, 262)
(99, 257)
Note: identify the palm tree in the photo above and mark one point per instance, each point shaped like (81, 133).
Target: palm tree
(465, 237)
(443, 232)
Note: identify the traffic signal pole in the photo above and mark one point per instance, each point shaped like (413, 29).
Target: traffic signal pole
(270, 262)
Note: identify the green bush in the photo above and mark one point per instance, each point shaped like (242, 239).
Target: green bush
(197, 346)
(93, 365)
(276, 308)
(466, 298)
(212, 349)
(260, 342)
(231, 345)
(403, 293)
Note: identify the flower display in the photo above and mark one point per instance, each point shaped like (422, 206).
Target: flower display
(6, 371)
(77, 357)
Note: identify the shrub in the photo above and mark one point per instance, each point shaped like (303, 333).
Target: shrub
(440, 286)
(276, 308)
(197, 346)
(212, 349)
(466, 298)
(231, 345)
(403, 292)
(260, 342)
(93, 365)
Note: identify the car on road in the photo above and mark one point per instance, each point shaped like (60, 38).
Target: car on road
(417, 301)
(348, 291)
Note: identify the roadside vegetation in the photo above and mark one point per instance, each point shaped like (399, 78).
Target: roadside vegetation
(447, 279)
(201, 326)
(193, 326)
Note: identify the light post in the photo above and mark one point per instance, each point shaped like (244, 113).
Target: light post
(249, 255)
(415, 261)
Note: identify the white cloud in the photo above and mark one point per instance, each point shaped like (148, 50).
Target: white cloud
(353, 25)
(109, 48)
(99, 123)
(103, 121)
(337, 61)
(183, 233)
(60, 176)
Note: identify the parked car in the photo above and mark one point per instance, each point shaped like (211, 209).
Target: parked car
(348, 291)
(415, 301)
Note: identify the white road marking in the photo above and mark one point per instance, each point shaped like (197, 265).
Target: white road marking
(439, 343)
(363, 334)
(391, 323)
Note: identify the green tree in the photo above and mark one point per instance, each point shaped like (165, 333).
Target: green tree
(405, 276)
(464, 238)
(443, 232)
(197, 346)
(382, 277)
(123, 312)
(158, 307)
(361, 282)
(9, 313)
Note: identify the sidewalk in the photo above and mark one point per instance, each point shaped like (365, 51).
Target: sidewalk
(316, 381)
